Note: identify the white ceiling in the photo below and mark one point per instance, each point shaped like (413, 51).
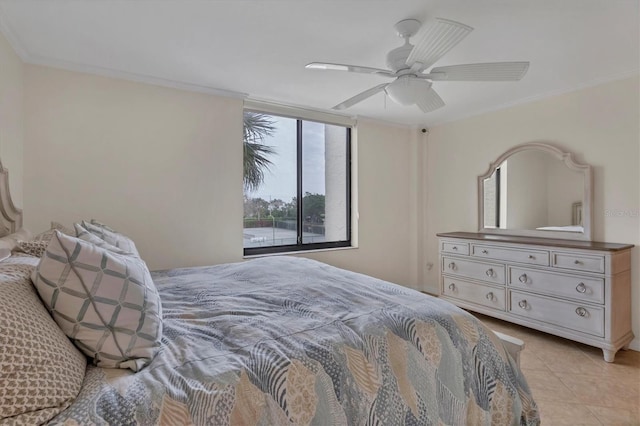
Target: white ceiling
(259, 47)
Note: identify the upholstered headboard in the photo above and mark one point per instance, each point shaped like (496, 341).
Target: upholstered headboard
(10, 215)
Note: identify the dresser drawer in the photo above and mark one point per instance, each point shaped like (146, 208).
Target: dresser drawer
(572, 286)
(492, 297)
(578, 262)
(490, 272)
(454, 247)
(585, 318)
(533, 257)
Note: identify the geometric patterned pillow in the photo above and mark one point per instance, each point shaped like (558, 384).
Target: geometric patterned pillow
(41, 372)
(105, 302)
(110, 236)
(87, 236)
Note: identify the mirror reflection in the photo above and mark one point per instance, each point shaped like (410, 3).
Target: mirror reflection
(534, 190)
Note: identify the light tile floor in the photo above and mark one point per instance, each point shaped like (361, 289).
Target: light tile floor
(571, 382)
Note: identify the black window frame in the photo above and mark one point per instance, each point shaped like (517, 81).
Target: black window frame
(300, 246)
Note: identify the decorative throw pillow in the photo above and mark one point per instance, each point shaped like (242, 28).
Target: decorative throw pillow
(102, 225)
(37, 246)
(48, 234)
(114, 238)
(32, 247)
(41, 372)
(87, 236)
(105, 302)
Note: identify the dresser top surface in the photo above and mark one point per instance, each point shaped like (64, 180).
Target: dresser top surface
(549, 242)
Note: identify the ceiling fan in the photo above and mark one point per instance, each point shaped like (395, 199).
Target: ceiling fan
(408, 63)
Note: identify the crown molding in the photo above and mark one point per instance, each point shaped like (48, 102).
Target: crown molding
(19, 48)
(530, 99)
(23, 53)
(293, 110)
(139, 78)
(12, 38)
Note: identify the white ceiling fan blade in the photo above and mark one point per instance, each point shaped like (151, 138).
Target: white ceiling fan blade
(431, 101)
(492, 71)
(350, 68)
(436, 39)
(361, 97)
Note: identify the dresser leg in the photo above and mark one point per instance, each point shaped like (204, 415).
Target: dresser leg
(609, 355)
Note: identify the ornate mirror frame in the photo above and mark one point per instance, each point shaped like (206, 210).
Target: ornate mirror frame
(572, 164)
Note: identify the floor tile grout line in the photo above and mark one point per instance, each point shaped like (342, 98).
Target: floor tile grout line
(596, 415)
(568, 388)
(588, 403)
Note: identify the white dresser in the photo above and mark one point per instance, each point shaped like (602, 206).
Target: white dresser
(578, 290)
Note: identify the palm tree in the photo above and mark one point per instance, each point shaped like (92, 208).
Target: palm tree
(257, 126)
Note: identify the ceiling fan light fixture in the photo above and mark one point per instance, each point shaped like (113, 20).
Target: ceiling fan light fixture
(406, 90)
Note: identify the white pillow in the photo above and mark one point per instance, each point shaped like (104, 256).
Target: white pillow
(87, 236)
(102, 225)
(104, 301)
(112, 237)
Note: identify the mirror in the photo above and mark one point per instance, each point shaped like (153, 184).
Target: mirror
(536, 190)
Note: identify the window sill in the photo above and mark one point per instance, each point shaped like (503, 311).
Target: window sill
(289, 253)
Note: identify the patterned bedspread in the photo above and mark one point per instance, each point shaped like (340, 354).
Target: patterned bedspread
(285, 340)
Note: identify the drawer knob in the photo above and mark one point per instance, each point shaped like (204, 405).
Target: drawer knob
(454, 248)
(531, 256)
(452, 265)
(490, 296)
(581, 311)
(485, 251)
(581, 288)
(523, 278)
(577, 262)
(489, 272)
(452, 287)
(523, 304)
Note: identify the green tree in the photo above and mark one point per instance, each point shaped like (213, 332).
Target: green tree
(256, 126)
(313, 207)
(255, 208)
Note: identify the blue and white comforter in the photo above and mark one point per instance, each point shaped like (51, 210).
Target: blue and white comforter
(284, 340)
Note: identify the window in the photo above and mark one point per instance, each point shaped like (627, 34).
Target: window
(296, 184)
(495, 198)
(492, 200)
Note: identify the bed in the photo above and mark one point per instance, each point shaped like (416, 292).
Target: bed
(287, 340)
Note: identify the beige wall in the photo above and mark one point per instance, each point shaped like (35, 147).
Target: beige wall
(162, 165)
(11, 117)
(165, 167)
(385, 196)
(526, 209)
(599, 124)
(564, 187)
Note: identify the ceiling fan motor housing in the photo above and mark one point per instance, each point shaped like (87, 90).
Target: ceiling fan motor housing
(397, 58)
